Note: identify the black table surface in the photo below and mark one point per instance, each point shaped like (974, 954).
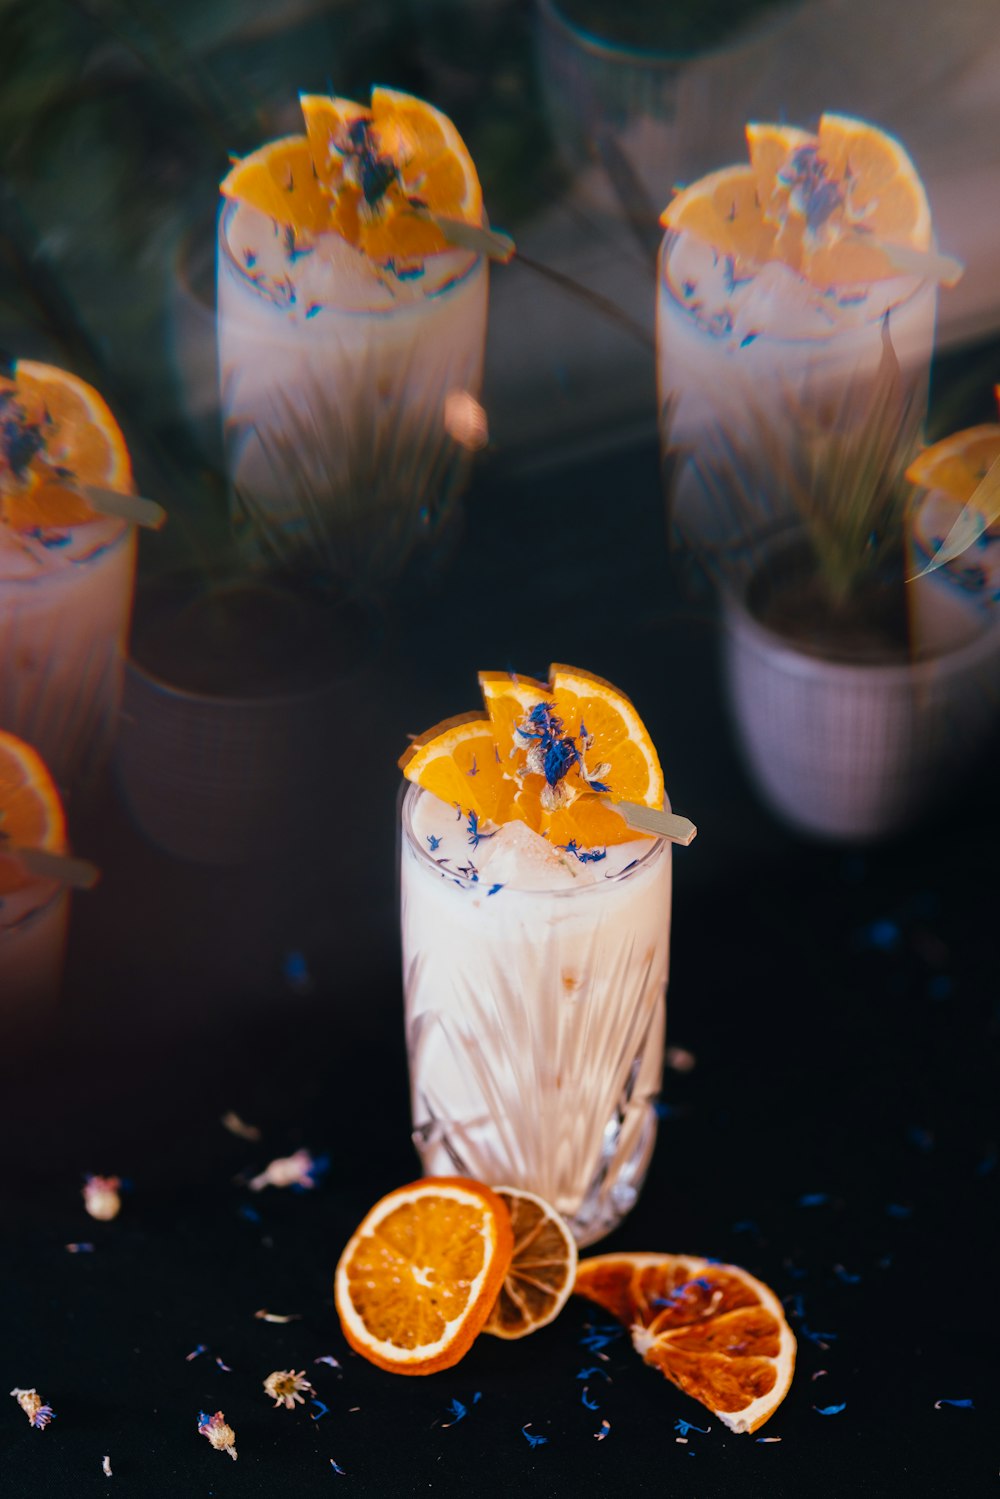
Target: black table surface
(837, 1135)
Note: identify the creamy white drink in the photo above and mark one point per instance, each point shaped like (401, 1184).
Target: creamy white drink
(65, 605)
(334, 379)
(535, 983)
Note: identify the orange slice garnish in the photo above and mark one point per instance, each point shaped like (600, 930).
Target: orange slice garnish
(824, 204)
(612, 734)
(715, 1331)
(542, 1271)
(490, 766)
(56, 431)
(958, 464)
(31, 813)
(371, 175)
(420, 1275)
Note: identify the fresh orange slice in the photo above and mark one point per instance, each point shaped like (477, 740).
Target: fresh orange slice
(540, 1276)
(492, 767)
(457, 762)
(31, 813)
(509, 699)
(715, 1331)
(55, 430)
(371, 175)
(958, 464)
(826, 204)
(421, 1273)
(724, 210)
(611, 734)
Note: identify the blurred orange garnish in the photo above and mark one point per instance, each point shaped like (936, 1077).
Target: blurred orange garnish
(57, 432)
(31, 813)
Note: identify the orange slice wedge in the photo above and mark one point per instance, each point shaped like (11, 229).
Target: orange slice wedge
(280, 181)
(826, 204)
(540, 1276)
(421, 1273)
(715, 1331)
(31, 813)
(457, 761)
(56, 431)
(372, 175)
(611, 734)
(958, 464)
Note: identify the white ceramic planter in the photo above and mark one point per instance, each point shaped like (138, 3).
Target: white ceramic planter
(857, 752)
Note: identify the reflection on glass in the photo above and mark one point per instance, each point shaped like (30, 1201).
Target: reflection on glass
(334, 383)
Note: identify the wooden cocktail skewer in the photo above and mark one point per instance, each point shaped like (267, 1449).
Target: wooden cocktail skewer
(651, 820)
(78, 874)
(128, 506)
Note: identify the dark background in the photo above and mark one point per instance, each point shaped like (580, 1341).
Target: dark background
(841, 1003)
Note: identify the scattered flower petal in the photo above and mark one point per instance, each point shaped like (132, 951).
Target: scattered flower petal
(80, 1248)
(965, 1405)
(531, 1440)
(288, 1388)
(37, 1413)
(298, 1170)
(102, 1198)
(106, 1467)
(221, 1436)
(830, 1410)
(605, 1428)
(266, 1316)
(237, 1126)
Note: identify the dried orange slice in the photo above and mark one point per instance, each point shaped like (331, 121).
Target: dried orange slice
(540, 1276)
(421, 1273)
(958, 464)
(825, 204)
(31, 813)
(715, 1331)
(55, 430)
(371, 175)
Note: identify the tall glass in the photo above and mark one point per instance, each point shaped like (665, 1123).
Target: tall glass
(335, 377)
(743, 353)
(32, 943)
(65, 605)
(535, 1024)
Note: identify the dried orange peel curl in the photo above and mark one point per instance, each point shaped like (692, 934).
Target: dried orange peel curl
(549, 754)
(395, 179)
(842, 206)
(713, 1330)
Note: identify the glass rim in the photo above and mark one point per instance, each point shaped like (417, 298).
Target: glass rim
(409, 794)
(227, 211)
(920, 285)
(49, 893)
(122, 528)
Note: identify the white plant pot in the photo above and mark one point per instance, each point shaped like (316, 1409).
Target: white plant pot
(856, 752)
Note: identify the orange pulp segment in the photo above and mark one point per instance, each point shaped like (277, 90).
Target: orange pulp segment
(55, 431)
(370, 175)
(421, 1273)
(540, 1276)
(824, 204)
(713, 1330)
(31, 813)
